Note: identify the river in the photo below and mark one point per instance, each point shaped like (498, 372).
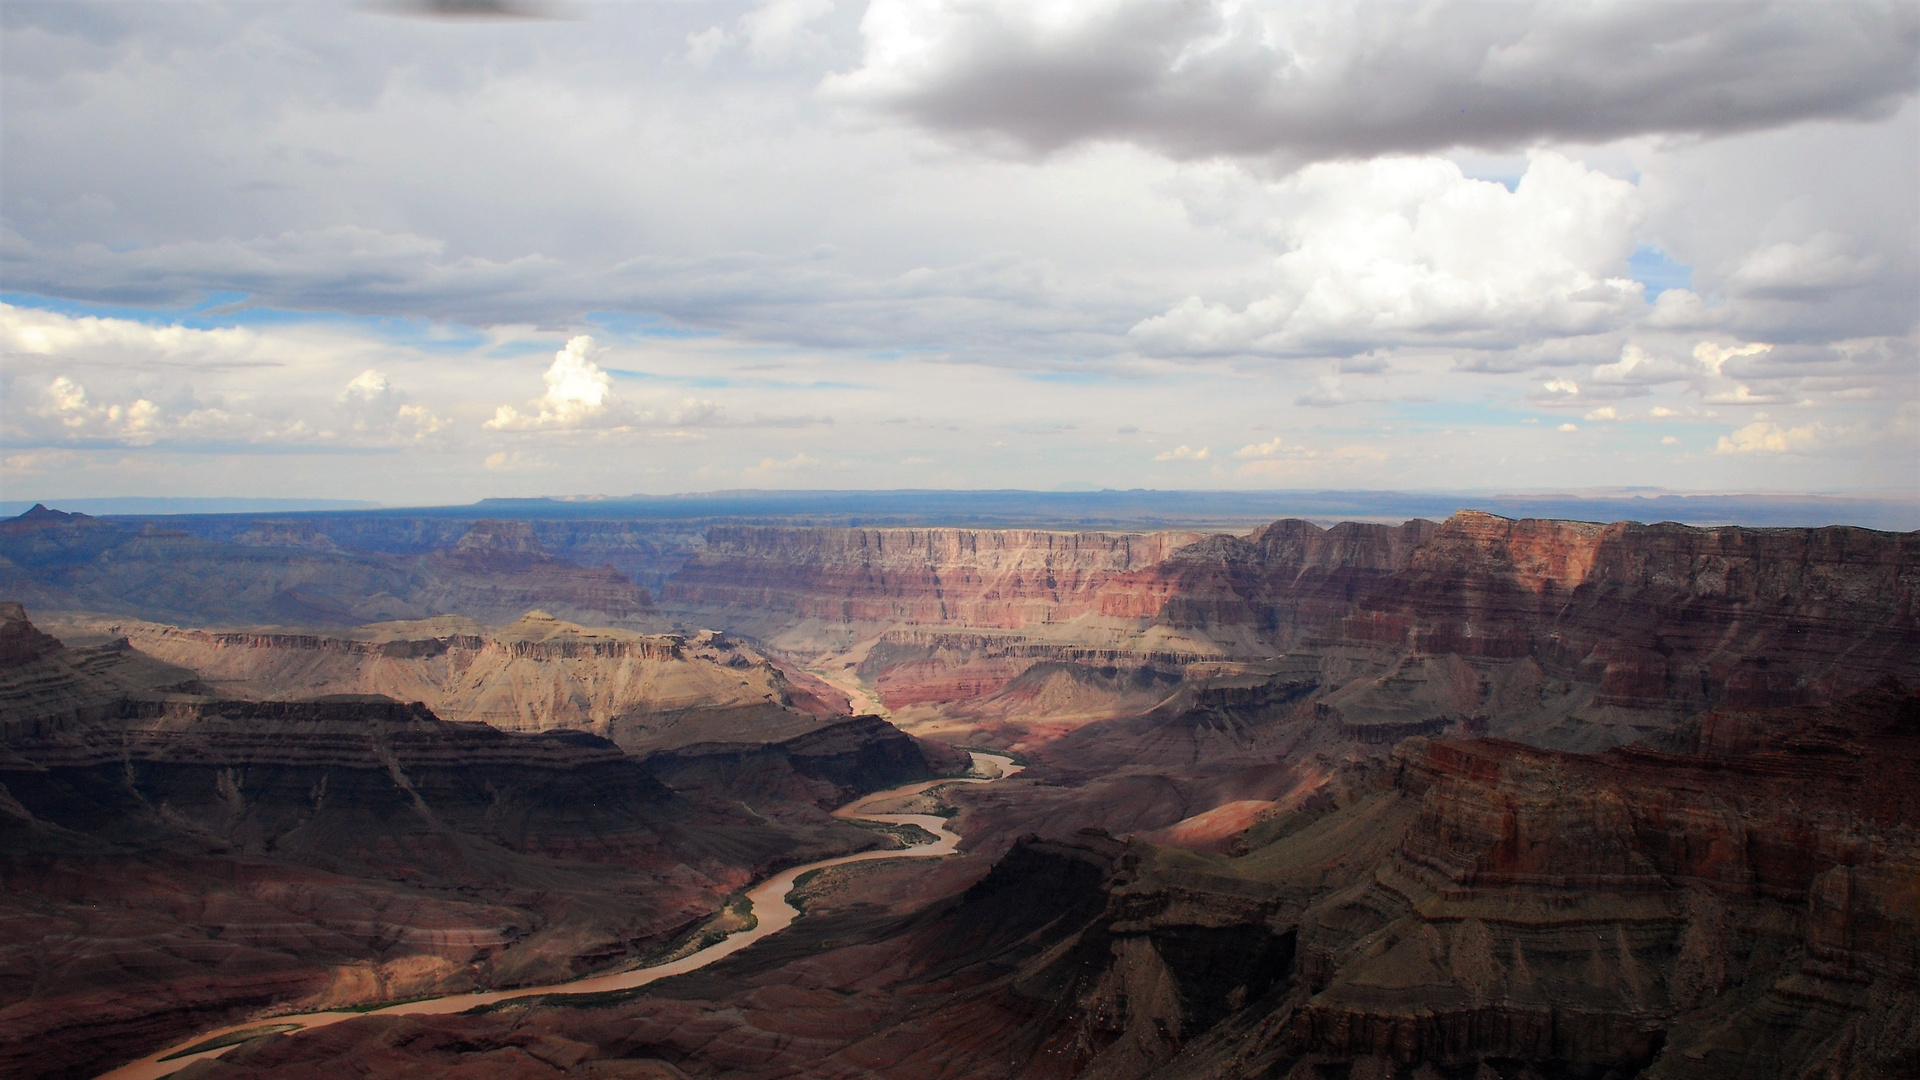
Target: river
(769, 901)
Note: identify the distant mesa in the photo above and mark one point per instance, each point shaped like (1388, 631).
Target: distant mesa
(39, 513)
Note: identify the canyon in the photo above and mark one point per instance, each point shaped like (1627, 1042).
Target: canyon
(1560, 633)
(1471, 797)
(178, 858)
(493, 571)
(538, 673)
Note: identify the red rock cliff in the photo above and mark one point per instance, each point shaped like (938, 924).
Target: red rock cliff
(1012, 578)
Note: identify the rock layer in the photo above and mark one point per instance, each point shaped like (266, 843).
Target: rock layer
(1011, 578)
(1559, 633)
(1740, 906)
(172, 859)
(538, 673)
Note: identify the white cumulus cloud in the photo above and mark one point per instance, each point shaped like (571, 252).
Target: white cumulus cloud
(579, 394)
(1766, 437)
(1411, 250)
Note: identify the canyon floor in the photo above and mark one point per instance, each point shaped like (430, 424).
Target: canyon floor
(1479, 797)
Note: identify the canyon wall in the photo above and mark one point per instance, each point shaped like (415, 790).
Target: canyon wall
(1741, 910)
(1571, 634)
(1008, 578)
(538, 673)
(171, 858)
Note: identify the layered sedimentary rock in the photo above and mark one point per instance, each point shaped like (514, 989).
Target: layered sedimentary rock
(1276, 582)
(1662, 613)
(645, 692)
(1011, 578)
(495, 572)
(826, 767)
(1741, 905)
(1561, 633)
(172, 859)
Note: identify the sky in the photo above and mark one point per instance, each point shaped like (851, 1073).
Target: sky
(336, 250)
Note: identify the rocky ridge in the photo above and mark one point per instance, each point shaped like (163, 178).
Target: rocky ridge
(1742, 905)
(1566, 634)
(1007, 578)
(173, 858)
(496, 571)
(538, 673)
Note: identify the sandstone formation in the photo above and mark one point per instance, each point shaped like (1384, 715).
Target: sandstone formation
(1008, 578)
(173, 859)
(1559, 633)
(1741, 905)
(644, 692)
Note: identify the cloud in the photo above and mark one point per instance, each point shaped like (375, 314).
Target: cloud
(704, 45)
(97, 381)
(1638, 367)
(1742, 394)
(1314, 83)
(1326, 393)
(1565, 393)
(1277, 447)
(63, 411)
(1713, 357)
(36, 332)
(1408, 251)
(1568, 427)
(1182, 452)
(374, 404)
(313, 197)
(1765, 437)
(368, 386)
(135, 424)
(1684, 309)
(778, 470)
(1811, 270)
(778, 28)
(579, 394)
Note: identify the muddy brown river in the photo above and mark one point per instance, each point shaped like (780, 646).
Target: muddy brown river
(770, 907)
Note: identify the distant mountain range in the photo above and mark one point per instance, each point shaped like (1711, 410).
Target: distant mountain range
(1107, 508)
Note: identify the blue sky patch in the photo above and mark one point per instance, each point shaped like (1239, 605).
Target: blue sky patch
(1658, 271)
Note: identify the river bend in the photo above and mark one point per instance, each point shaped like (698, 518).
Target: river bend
(769, 906)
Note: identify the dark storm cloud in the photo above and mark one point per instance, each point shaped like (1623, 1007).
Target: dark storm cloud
(1306, 82)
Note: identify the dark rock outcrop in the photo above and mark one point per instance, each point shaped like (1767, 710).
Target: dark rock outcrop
(1741, 906)
(171, 860)
(827, 767)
